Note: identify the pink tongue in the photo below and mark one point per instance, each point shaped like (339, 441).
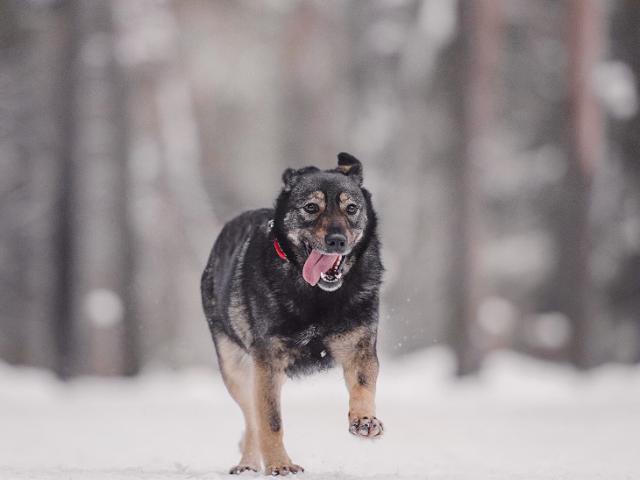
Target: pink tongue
(316, 264)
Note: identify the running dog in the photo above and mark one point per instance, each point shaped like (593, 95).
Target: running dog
(293, 290)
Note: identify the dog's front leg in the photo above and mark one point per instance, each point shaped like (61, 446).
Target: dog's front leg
(268, 385)
(360, 365)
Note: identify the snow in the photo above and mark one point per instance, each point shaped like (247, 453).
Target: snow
(521, 419)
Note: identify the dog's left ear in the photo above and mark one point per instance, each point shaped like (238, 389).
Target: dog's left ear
(350, 166)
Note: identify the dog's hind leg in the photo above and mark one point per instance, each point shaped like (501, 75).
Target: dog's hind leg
(237, 372)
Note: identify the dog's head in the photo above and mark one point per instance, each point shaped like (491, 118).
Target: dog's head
(323, 214)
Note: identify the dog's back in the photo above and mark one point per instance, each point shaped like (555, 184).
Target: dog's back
(221, 277)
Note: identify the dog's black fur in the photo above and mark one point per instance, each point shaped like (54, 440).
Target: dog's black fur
(261, 304)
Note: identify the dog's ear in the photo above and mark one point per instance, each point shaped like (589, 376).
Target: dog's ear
(287, 178)
(350, 166)
(291, 176)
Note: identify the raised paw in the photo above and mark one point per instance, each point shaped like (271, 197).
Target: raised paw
(238, 469)
(366, 427)
(275, 470)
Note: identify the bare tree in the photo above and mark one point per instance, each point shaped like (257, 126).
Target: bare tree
(94, 241)
(585, 150)
(479, 43)
(625, 291)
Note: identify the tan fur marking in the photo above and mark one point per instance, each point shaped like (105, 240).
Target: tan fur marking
(317, 197)
(237, 372)
(353, 235)
(355, 351)
(345, 199)
(268, 380)
(321, 230)
(344, 169)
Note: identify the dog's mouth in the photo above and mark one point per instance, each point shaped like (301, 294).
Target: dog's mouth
(323, 269)
(334, 274)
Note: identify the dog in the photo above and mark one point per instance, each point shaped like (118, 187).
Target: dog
(292, 290)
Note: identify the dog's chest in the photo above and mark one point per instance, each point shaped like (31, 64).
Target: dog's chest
(308, 351)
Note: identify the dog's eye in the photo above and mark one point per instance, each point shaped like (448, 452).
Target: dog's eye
(352, 209)
(311, 208)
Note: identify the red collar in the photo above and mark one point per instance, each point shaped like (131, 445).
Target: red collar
(279, 250)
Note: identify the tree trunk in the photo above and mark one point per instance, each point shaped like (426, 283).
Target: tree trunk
(626, 134)
(94, 316)
(480, 30)
(63, 329)
(585, 149)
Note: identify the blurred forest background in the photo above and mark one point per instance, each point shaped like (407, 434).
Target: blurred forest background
(500, 139)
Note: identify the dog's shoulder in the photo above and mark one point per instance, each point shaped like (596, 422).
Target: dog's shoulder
(244, 224)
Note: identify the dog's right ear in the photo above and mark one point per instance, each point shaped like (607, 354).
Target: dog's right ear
(291, 176)
(287, 178)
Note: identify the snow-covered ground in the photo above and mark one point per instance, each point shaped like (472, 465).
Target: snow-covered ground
(521, 419)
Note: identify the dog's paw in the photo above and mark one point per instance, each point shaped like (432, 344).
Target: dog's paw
(366, 427)
(238, 469)
(286, 469)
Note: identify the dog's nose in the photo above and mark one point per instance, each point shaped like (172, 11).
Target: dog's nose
(336, 242)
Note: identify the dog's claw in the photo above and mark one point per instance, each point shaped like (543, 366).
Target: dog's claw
(366, 427)
(238, 469)
(284, 470)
